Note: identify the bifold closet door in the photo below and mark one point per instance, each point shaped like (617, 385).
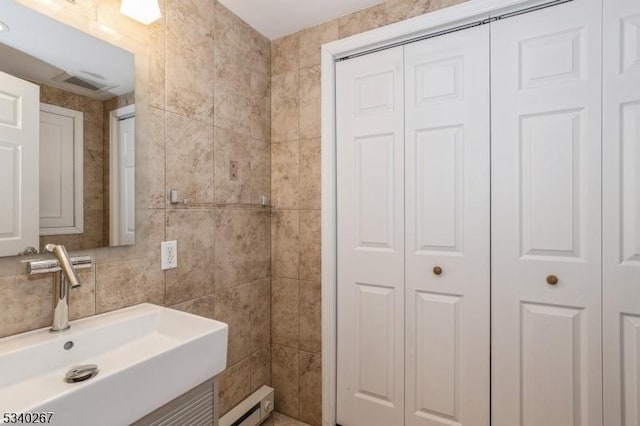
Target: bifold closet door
(447, 229)
(370, 202)
(546, 217)
(621, 197)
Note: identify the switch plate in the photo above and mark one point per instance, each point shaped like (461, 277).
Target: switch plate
(233, 170)
(169, 256)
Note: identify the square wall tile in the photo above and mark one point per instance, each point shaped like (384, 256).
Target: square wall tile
(284, 174)
(261, 368)
(233, 110)
(189, 158)
(261, 106)
(30, 304)
(284, 376)
(285, 243)
(157, 60)
(399, 10)
(309, 188)
(128, 282)
(284, 54)
(313, 38)
(285, 311)
(233, 307)
(190, 59)
(202, 306)
(309, 100)
(310, 240)
(232, 72)
(310, 388)
(252, 158)
(245, 309)
(131, 281)
(310, 329)
(261, 314)
(284, 107)
(261, 53)
(234, 385)
(155, 131)
(242, 252)
(193, 229)
(232, 34)
(364, 20)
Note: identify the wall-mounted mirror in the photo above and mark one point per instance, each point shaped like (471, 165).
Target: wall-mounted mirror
(67, 144)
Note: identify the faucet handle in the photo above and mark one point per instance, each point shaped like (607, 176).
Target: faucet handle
(65, 263)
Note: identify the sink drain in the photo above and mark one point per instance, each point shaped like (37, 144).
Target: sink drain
(81, 373)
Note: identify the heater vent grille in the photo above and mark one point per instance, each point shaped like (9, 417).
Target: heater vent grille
(194, 408)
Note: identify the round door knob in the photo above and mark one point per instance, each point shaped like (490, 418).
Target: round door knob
(552, 280)
(437, 270)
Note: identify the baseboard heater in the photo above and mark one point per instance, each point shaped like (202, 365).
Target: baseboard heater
(252, 411)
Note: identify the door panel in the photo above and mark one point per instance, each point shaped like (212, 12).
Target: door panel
(19, 130)
(447, 226)
(546, 217)
(552, 351)
(56, 170)
(438, 320)
(374, 196)
(370, 198)
(621, 201)
(550, 147)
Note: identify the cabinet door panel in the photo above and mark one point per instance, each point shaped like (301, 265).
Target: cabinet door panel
(546, 217)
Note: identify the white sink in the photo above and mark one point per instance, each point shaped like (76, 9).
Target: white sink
(147, 355)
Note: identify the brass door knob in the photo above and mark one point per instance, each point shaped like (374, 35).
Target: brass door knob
(437, 270)
(552, 280)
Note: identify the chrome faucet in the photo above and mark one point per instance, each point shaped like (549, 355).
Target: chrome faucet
(64, 275)
(67, 275)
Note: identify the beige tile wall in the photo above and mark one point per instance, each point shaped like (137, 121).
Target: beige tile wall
(295, 188)
(209, 103)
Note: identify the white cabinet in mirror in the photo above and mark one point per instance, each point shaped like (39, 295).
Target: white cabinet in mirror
(67, 136)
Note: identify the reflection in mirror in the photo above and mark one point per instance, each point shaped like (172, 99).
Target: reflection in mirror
(67, 136)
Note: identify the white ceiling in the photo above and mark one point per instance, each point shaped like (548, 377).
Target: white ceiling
(276, 18)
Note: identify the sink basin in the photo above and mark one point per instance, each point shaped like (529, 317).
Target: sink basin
(147, 355)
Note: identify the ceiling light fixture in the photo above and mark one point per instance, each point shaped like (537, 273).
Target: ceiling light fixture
(145, 11)
(3, 27)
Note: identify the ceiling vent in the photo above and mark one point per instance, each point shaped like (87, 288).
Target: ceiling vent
(83, 82)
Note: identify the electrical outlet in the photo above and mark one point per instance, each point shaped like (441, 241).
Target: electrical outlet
(169, 250)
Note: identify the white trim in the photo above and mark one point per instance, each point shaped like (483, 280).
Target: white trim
(451, 17)
(78, 170)
(114, 159)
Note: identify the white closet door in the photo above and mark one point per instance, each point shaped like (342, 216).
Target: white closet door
(447, 227)
(127, 181)
(370, 199)
(621, 197)
(546, 217)
(19, 151)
